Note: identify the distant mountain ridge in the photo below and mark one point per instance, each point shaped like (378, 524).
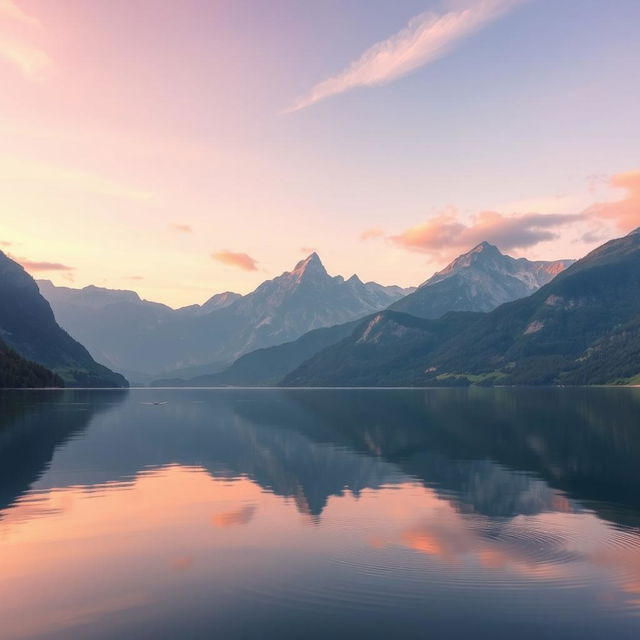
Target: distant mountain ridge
(144, 338)
(28, 326)
(479, 280)
(266, 367)
(583, 327)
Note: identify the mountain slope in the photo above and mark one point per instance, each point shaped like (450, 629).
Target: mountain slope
(110, 323)
(581, 328)
(387, 349)
(28, 326)
(479, 280)
(266, 367)
(146, 339)
(18, 373)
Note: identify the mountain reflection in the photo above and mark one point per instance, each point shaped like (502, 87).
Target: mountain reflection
(511, 500)
(34, 424)
(494, 452)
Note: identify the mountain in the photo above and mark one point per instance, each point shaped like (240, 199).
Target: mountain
(28, 326)
(146, 339)
(581, 328)
(218, 301)
(266, 367)
(110, 323)
(18, 373)
(479, 280)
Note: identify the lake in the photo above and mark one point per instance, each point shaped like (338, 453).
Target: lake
(442, 513)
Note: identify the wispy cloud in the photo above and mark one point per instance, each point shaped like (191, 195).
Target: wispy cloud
(238, 260)
(181, 228)
(372, 233)
(10, 10)
(426, 38)
(38, 266)
(17, 41)
(447, 234)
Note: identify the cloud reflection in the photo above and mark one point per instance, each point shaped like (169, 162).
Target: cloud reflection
(235, 517)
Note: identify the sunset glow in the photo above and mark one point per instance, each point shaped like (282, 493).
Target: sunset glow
(171, 136)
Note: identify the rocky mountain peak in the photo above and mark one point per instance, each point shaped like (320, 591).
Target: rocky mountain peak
(482, 254)
(311, 266)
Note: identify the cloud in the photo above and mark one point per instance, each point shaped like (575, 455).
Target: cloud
(307, 250)
(239, 260)
(372, 233)
(624, 213)
(5, 244)
(31, 60)
(134, 278)
(34, 265)
(181, 228)
(16, 45)
(9, 9)
(446, 234)
(426, 38)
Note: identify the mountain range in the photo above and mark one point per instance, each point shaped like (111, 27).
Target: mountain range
(486, 318)
(28, 329)
(479, 280)
(583, 327)
(144, 339)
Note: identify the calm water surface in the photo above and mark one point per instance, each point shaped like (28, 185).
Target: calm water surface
(320, 514)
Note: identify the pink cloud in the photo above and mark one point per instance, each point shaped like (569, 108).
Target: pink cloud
(37, 266)
(447, 234)
(239, 260)
(624, 213)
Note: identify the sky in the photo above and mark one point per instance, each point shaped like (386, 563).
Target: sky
(182, 149)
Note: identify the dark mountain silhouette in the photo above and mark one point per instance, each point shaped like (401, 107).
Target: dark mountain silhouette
(28, 326)
(18, 373)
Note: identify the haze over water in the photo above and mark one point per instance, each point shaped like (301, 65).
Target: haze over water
(443, 513)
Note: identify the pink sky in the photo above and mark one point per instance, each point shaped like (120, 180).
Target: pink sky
(150, 145)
